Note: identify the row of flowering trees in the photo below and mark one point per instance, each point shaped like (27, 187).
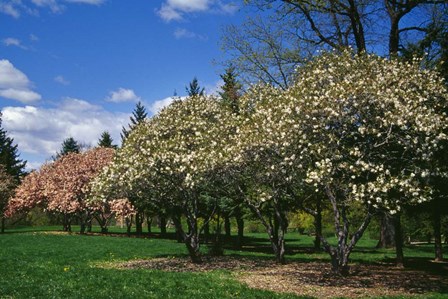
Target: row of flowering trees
(64, 186)
(358, 132)
(353, 133)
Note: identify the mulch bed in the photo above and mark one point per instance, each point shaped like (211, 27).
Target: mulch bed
(310, 278)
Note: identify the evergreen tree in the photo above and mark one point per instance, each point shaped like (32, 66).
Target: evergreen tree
(194, 89)
(138, 115)
(9, 156)
(231, 90)
(69, 145)
(106, 140)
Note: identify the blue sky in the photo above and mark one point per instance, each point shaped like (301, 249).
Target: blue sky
(78, 67)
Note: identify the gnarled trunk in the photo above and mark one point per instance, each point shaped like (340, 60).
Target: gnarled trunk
(341, 253)
(276, 230)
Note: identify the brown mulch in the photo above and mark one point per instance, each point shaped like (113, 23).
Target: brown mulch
(310, 278)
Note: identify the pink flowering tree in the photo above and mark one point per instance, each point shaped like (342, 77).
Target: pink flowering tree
(63, 186)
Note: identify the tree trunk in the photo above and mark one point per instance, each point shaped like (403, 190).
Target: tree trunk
(240, 225)
(206, 232)
(398, 241)
(139, 223)
(318, 225)
(89, 225)
(192, 242)
(437, 235)
(179, 230)
(163, 225)
(387, 232)
(148, 224)
(3, 224)
(128, 225)
(394, 35)
(227, 227)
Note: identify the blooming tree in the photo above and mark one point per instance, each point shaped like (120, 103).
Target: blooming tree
(360, 129)
(63, 186)
(169, 158)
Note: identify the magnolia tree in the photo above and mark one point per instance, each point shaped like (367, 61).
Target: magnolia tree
(362, 130)
(169, 159)
(266, 159)
(63, 186)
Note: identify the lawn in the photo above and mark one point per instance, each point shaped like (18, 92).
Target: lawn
(44, 263)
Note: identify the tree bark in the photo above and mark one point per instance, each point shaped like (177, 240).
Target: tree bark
(227, 226)
(398, 241)
(139, 223)
(128, 225)
(148, 224)
(437, 235)
(318, 225)
(387, 232)
(162, 225)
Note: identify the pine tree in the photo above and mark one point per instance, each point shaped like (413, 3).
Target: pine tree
(69, 145)
(194, 89)
(106, 140)
(138, 115)
(231, 90)
(9, 156)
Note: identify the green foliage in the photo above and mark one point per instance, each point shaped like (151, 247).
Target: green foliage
(106, 140)
(138, 115)
(231, 90)
(9, 155)
(69, 145)
(193, 89)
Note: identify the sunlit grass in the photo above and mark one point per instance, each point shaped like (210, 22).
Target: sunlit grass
(44, 262)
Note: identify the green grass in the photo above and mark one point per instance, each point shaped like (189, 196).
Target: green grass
(42, 265)
(37, 264)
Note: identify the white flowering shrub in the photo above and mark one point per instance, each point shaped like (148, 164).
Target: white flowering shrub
(358, 129)
(169, 158)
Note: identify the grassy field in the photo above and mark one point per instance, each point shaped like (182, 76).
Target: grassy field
(42, 263)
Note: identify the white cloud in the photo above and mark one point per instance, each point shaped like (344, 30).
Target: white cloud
(189, 5)
(54, 5)
(122, 95)
(156, 106)
(168, 13)
(34, 38)
(180, 33)
(10, 8)
(91, 2)
(15, 85)
(14, 8)
(174, 10)
(24, 96)
(39, 132)
(61, 80)
(11, 41)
